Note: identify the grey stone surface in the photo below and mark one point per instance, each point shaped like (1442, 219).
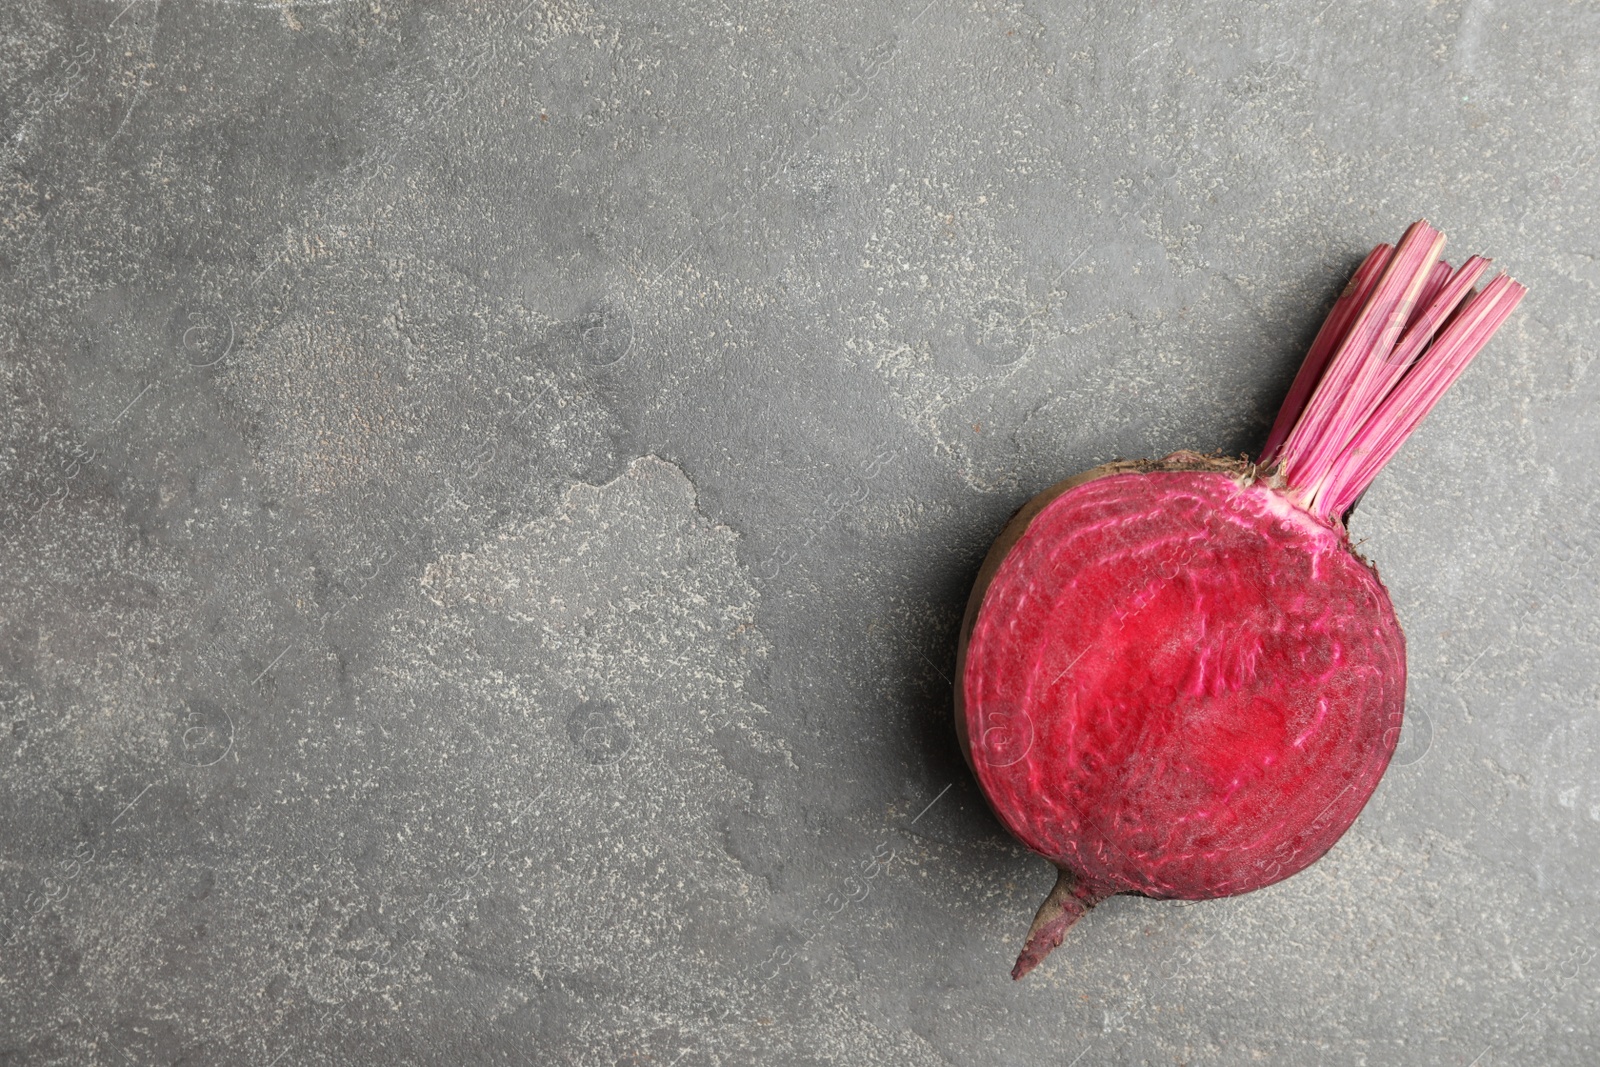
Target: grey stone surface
(488, 495)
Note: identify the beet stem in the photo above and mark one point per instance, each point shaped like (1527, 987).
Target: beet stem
(1403, 410)
(1322, 432)
(1068, 902)
(1442, 273)
(1402, 332)
(1333, 331)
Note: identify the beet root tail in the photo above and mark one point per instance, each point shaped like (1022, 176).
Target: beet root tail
(1066, 904)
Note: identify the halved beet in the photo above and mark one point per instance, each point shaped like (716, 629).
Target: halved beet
(1176, 678)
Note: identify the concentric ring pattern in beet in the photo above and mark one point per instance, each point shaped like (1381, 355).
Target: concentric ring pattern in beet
(1182, 687)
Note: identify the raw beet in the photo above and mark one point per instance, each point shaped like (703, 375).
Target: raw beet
(1181, 685)
(1176, 677)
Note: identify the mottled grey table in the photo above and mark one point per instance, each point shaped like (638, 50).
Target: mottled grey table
(488, 497)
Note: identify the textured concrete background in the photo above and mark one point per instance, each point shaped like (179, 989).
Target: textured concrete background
(488, 497)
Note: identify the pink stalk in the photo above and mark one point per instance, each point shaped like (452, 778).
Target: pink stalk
(1436, 282)
(1343, 398)
(1402, 410)
(1415, 340)
(1392, 345)
(1385, 373)
(1334, 327)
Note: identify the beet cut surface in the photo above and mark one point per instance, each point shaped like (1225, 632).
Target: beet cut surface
(1167, 679)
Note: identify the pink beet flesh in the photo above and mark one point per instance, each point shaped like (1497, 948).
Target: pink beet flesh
(1177, 678)
(1180, 687)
